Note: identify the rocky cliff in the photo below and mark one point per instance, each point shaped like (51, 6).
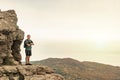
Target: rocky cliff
(10, 38)
(32, 72)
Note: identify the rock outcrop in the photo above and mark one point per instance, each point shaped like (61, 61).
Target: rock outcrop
(10, 38)
(32, 72)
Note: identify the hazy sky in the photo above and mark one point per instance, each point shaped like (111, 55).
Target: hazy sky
(86, 30)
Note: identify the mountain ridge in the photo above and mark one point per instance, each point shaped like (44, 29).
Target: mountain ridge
(73, 69)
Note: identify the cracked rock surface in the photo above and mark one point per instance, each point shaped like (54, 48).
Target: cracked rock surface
(32, 72)
(11, 38)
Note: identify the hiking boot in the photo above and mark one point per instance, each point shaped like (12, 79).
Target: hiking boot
(26, 64)
(29, 64)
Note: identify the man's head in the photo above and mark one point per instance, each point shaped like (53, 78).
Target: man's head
(28, 36)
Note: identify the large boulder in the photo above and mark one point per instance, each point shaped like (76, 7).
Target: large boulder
(11, 38)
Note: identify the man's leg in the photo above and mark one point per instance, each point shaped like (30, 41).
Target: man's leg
(28, 54)
(29, 61)
(29, 57)
(26, 59)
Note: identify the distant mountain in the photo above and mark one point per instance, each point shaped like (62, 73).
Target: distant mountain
(75, 70)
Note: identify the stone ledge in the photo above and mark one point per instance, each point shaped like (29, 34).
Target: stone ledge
(29, 72)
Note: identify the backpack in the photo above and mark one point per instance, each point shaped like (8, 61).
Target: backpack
(25, 45)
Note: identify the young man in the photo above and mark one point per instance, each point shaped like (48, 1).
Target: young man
(28, 46)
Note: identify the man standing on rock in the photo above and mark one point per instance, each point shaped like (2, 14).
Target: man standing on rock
(28, 46)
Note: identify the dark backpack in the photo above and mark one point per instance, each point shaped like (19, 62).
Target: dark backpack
(25, 45)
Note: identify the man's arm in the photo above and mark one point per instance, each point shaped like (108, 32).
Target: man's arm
(31, 43)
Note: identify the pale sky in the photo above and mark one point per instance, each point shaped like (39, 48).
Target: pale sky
(86, 30)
